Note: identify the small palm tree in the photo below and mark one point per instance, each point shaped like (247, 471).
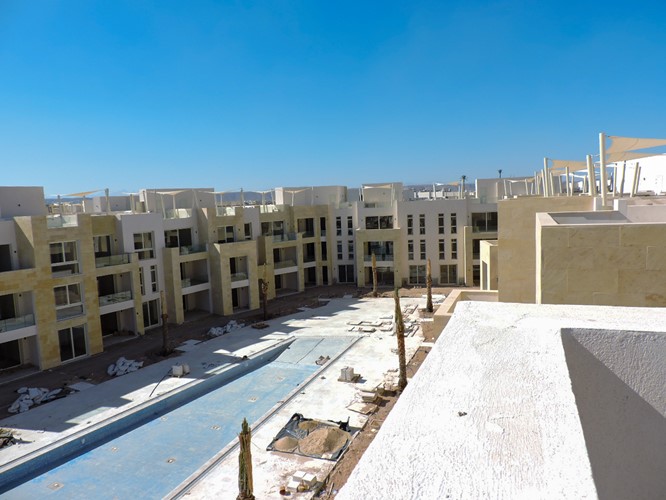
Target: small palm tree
(400, 335)
(500, 173)
(374, 275)
(263, 285)
(245, 485)
(429, 307)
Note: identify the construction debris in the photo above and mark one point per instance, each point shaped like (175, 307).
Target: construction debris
(180, 370)
(6, 438)
(31, 396)
(123, 366)
(217, 331)
(347, 375)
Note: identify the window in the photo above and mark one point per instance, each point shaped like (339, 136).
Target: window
(440, 223)
(324, 251)
(248, 230)
(454, 248)
(423, 249)
(350, 226)
(338, 226)
(64, 258)
(340, 257)
(228, 235)
(143, 244)
(68, 301)
(476, 249)
(484, 222)
(448, 274)
(454, 223)
(151, 315)
(174, 238)
(417, 275)
(379, 222)
(422, 224)
(102, 245)
(346, 274)
(372, 222)
(322, 226)
(410, 224)
(153, 278)
(350, 249)
(442, 250)
(143, 287)
(410, 250)
(72, 342)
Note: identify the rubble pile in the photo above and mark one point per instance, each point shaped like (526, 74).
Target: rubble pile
(217, 331)
(31, 396)
(123, 366)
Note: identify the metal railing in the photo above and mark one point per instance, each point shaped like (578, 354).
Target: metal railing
(9, 324)
(112, 260)
(114, 298)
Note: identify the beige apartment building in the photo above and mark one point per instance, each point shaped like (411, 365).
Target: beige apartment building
(75, 276)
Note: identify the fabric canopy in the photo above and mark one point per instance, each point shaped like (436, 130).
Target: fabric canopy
(573, 165)
(632, 143)
(626, 156)
(84, 193)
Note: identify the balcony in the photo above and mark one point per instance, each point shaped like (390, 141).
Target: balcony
(188, 282)
(238, 276)
(308, 234)
(10, 324)
(178, 213)
(309, 258)
(380, 257)
(285, 237)
(112, 260)
(57, 221)
(186, 250)
(115, 298)
(222, 211)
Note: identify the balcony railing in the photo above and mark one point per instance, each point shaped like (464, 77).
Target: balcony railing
(309, 258)
(9, 324)
(112, 260)
(379, 257)
(323, 233)
(308, 234)
(285, 237)
(238, 276)
(114, 298)
(186, 250)
(221, 211)
(188, 282)
(284, 263)
(178, 213)
(483, 228)
(55, 221)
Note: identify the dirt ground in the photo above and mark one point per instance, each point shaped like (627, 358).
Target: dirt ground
(147, 348)
(340, 473)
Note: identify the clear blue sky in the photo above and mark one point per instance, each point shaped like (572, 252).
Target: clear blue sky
(131, 94)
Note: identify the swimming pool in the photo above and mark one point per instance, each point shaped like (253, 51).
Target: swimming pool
(151, 460)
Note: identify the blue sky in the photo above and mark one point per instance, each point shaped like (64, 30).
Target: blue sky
(131, 94)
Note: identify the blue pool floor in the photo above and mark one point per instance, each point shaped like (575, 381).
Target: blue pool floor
(153, 459)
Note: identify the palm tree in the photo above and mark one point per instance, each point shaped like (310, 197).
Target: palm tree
(500, 173)
(263, 285)
(400, 335)
(245, 485)
(374, 275)
(166, 345)
(429, 307)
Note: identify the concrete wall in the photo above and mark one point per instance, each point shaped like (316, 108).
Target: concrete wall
(516, 234)
(489, 251)
(618, 380)
(603, 264)
(18, 201)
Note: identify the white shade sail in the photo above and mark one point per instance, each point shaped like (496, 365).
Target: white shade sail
(632, 143)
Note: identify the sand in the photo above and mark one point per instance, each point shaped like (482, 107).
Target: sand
(323, 440)
(286, 444)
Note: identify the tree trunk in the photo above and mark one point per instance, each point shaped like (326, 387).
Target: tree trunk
(245, 483)
(263, 286)
(166, 345)
(374, 275)
(429, 307)
(400, 335)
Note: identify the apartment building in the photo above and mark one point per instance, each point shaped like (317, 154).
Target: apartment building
(74, 276)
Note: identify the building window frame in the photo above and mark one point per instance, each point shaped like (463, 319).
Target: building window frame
(144, 245)
(72, 343)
